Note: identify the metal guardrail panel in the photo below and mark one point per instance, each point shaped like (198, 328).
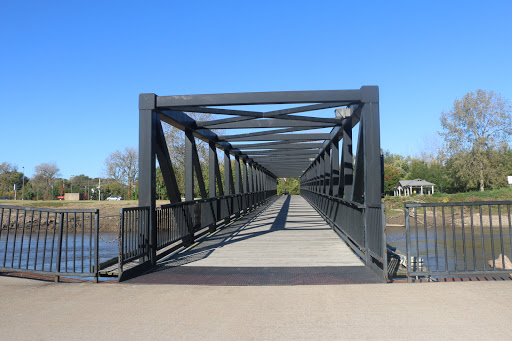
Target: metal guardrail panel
(177, 224)
(459, 239)
(49, 241)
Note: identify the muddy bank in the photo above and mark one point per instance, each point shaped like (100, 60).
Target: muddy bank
(108, 213)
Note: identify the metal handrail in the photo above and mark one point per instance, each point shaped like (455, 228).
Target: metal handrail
(49, 241)
(445, 239)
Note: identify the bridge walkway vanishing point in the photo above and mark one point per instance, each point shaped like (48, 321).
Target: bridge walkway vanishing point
(284, 243)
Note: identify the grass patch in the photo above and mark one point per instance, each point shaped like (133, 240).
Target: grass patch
(502, 194)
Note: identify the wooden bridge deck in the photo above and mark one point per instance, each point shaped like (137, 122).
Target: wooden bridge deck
(285, 243)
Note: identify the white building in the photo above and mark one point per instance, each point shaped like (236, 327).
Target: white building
(410, 187)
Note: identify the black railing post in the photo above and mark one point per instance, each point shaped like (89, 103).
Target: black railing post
(96, 245)
(59, 247)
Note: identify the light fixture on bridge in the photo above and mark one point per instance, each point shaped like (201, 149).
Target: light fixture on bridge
(343, 112)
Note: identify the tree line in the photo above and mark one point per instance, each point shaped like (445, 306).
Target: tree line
(475, 154)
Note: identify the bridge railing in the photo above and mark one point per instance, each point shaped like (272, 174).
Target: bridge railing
(178, 225)
(458, 239)
(360, 225)
(49, 241)
(133, 235)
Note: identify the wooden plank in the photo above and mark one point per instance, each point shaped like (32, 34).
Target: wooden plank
(289, 233)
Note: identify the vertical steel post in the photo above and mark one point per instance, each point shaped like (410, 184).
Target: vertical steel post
(189, 165)
(212, 157)
(212, 190)
(372, 178)
(59, 246)
(327, 170)
(251, 181)
(347, 163)
(246, 177)
(189, 187)
(321, 173)
(238, 176)
(147, 166)
(372, 169)
(335, 168)
(97, 246)
(227, 173)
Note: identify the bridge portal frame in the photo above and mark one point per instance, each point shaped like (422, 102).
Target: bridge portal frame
(352, 190)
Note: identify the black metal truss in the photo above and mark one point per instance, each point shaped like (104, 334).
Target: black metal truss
(284, 144)
(290, 138)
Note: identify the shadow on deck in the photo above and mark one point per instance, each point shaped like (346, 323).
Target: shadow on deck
(285, 243)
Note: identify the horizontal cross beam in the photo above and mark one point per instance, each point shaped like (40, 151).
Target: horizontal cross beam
(254, 98)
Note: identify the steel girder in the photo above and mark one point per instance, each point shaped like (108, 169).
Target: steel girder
(279, 144)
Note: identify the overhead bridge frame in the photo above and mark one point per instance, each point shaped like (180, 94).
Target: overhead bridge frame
(279, 146)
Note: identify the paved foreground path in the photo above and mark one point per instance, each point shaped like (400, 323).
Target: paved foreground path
(36, 310)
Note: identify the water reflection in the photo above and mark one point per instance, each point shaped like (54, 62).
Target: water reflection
(39, 252)
(453, 249)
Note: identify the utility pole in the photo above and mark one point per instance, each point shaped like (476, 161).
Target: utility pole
(71, 181)
(23, 188)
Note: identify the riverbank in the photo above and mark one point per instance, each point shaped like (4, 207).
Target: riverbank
(395, 216)
(109, 210)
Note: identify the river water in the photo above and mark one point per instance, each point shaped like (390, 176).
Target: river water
(34, 252)
(471, 250)
(449, 250)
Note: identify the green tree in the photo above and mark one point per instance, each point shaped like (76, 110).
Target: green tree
(291, 185)
(123, 168)
(391, 178)
(45, 176)
(477, 124)
(9, 176)
(398, 162)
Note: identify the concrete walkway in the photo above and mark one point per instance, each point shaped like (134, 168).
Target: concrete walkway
(35, 310)
(39, 310)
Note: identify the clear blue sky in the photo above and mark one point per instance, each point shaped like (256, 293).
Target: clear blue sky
(71, 71)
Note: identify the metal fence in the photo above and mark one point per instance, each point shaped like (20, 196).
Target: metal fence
(458, 239)
(133, 235)
(179, 224)
(184, 219)
(49, 241)
(360, 225)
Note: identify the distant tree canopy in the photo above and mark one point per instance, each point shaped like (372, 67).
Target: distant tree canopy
(476, 131)
(476, 152)
(123, 168)
(44, 179)
(290, 185)
(9, 176)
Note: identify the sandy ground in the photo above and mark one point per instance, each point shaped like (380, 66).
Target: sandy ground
(36, 310)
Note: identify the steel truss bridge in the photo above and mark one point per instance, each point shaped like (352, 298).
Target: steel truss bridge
(293, 142)
(228, 226)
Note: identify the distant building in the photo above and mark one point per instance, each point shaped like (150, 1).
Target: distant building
(410, 187)
(73, 196)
